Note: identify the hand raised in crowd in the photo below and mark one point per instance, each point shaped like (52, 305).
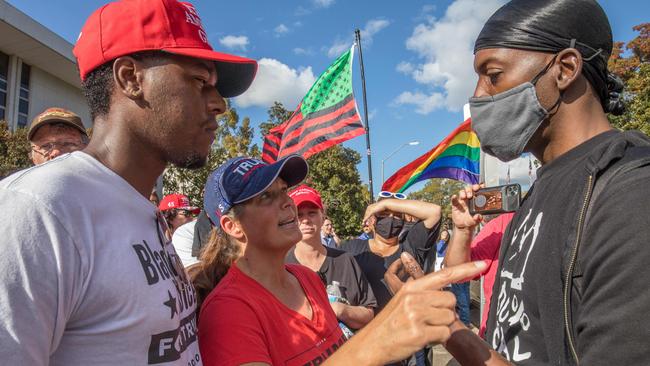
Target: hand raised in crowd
(419, 314)
(460, 214)
(404, 267)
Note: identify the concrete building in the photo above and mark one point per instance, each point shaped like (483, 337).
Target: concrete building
(37, 70)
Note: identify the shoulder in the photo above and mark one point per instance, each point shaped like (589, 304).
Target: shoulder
(184, 232)
(355, 246)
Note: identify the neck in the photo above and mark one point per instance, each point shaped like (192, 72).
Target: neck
(571, 126)
(113, 145)
(266, 267)
(311, 253)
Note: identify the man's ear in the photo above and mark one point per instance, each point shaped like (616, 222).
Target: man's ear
(570, 61)
(129, 74)
(232, 227)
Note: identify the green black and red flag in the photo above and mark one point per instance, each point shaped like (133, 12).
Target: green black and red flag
(326, 116)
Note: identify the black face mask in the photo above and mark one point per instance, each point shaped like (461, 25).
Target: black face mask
(388, 227)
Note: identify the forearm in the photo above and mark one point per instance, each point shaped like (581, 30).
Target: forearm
(429, 213)
(355, 317)
(459, 249)
(357, 350)
(470, 350)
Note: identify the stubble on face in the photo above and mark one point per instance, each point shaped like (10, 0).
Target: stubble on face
(182, 126)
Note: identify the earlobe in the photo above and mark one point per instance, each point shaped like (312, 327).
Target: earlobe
(128, 77)
(570, 61)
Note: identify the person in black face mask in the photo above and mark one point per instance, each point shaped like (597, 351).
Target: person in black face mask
(386, 220)
(572, 282)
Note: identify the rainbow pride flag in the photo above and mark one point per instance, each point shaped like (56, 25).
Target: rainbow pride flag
(456, 157)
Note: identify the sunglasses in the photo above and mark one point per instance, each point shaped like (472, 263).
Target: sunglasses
(184, 212)
(386, 194)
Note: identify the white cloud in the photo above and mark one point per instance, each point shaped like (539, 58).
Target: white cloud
(281, 30)
(276, 81)
(372, 27)
(303, 51)
(446, 49)
(405, 67)
(338, 48)
(232, 42)
(424, 103)
(323, 3)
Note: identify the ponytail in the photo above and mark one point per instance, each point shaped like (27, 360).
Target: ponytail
(220, 252)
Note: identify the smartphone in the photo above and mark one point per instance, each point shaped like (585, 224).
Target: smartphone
(495, 200)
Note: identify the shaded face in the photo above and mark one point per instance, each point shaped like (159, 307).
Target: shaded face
(53, 140)
(327, 227)
(182, 106)
(182, 217)
(270, 220)
(444, 236)
(310, 220)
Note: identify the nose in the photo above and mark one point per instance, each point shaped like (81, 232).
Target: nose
(55, 152)
(216, 103)
(480, 90)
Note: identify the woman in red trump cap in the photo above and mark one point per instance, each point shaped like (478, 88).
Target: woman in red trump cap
(257, 310)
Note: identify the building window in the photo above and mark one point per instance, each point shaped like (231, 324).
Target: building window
(4, 72)
(23, 100)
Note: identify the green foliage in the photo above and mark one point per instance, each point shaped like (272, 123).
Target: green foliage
(233, 138)
(14, 150)
(439, 191)
(277, 115)
(634, 69)
(334, 174)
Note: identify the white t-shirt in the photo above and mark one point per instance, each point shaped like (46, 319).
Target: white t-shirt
(183, 239)
(84, 278)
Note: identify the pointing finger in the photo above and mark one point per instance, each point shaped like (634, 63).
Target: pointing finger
(446, 276)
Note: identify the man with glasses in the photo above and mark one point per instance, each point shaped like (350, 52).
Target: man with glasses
(54, 132)
(177, 210)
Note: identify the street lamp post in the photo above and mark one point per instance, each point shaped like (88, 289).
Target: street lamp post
(412, 143)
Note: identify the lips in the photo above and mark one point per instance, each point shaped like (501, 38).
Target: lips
(291, 221)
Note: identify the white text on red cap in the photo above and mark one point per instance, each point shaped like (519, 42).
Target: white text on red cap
(192, 17)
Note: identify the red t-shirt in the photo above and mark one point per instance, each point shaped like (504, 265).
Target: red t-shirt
(486, 247)
(242, 322)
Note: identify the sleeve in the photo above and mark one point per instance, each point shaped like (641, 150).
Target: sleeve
(231, 334)
(364, 295)
(420, 240)
(40, 280)
(486, 244)
(611, 322)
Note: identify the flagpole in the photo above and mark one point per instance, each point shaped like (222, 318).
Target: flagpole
(357, 34)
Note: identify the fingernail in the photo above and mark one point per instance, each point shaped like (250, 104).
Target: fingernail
(480, 264)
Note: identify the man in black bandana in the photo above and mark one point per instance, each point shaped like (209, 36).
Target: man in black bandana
(572, 286)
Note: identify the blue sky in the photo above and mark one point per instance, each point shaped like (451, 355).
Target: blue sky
(417, 57)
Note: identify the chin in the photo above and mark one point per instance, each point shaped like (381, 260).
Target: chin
(193, 160)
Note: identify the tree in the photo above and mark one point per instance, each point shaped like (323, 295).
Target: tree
(633, 67)
(232, 139)
(438, 191)
(333, 172)
(14, 150)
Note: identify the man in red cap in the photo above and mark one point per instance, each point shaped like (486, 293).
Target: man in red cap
(177, 210)
(356, 303)
(87, 275)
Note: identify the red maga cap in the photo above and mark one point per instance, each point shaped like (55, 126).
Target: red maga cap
(304, 194)
(128, 26)
(177, 201)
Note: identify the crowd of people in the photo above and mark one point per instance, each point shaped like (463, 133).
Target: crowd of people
(98, 269)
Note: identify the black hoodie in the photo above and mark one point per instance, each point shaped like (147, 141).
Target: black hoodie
(608, 301)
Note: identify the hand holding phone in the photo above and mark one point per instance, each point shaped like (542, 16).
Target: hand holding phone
(495, 200)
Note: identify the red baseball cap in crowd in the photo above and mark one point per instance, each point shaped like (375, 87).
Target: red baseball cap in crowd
(304, 193)
(177, 201)
(128, 26)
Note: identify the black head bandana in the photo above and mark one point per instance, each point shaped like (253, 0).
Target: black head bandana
(554, 25)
